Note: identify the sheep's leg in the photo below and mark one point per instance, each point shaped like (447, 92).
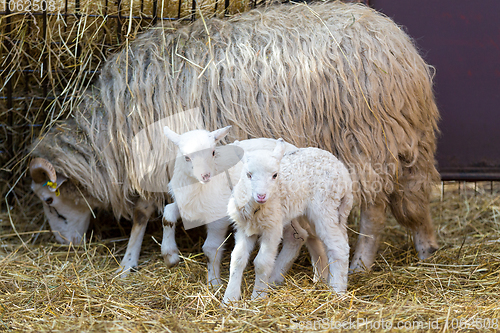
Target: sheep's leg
(214, 249)
(334, 236)
(264, 261)
(142, 213)
(371, 225)
(169, 249)
(239, 260)
(293, 239)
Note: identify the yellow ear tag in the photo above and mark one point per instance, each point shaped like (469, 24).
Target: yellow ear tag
(54, 186)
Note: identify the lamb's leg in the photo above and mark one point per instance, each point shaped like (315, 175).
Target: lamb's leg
(239, 260)
(334, 236)
(371, 225)
(214, 249)
(142, 213)
(318, 258)
(169, 249)
(264, 261)
(293, 239)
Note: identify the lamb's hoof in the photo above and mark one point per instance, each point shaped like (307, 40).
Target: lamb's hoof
(214, 284)
(339, 290)
(228, 301)
(123, 272)
(319, 279)
(275, 284)
(276, 281)
(358, 266)
(258, 295)
(323, 277)
(357, 270)
(171, 259)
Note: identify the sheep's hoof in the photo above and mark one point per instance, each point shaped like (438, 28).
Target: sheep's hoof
(171, 259)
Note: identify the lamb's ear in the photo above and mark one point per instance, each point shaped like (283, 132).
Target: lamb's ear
(238, 150)
(279, 150)
(220, 133)
(171, 135)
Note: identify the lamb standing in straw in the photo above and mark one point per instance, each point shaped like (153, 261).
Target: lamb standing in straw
(201, 186)
(273, 189)
(194, 168)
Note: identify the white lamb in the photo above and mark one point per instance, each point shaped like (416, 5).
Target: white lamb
(201, 188)
(275, 188)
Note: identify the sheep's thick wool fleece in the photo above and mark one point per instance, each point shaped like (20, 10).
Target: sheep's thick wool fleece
(337, 76)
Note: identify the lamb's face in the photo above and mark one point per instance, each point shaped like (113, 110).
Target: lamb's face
(64, 207)
(197, 151)
(261, 172)
(198, 154)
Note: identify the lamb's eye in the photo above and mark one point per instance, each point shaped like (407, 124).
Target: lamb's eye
(213, 153)
(249, 175)
(49, 201)
(275, 175)
(187, 159)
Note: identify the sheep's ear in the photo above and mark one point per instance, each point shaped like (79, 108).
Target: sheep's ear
(171, 135)
(60, 180)
(220, 133)
(279, 150)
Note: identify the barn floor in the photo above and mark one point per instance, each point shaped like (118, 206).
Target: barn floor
(48, 287)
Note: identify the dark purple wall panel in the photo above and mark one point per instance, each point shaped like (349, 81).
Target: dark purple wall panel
(461, 39)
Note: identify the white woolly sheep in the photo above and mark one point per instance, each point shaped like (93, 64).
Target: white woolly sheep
(265, 83)
(275, 188)
(201, 188)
